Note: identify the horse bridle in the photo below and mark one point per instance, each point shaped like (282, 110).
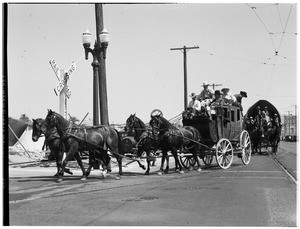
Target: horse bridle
(41, 132)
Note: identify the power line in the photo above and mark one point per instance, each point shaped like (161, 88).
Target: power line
(252, 68)
(234, 58)
(285, 27)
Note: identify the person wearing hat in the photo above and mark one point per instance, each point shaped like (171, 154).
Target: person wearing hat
(228, 98)
(194, 104)
(239, 98)
(266, 117)
(217, 103)
(206, 95)
(218, 100)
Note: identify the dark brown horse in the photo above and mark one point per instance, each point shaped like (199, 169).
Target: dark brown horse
(143, 138)
(52, 141)
(95, 138)
(174, 138)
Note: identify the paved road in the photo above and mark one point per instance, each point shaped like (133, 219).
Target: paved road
(259, 194)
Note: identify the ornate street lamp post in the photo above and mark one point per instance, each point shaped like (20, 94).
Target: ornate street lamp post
(104, 40)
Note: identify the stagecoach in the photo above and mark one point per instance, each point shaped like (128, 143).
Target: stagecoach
(263, 135)
(222, 136)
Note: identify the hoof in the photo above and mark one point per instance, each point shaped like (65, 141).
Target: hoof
(181, 172)
(83, 178)
(159, 173)
(59, 180)
(104, 174)
(118, 177)
(199, 170)
(191, 168)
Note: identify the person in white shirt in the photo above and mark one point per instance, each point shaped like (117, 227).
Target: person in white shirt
(206, 95)
(194, 104)
(227, 97)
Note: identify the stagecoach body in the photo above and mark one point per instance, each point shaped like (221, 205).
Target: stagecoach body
(223, 136)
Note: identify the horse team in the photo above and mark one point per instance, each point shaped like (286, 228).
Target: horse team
(67, 140)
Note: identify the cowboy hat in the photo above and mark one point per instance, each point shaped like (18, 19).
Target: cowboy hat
(225, 89)
(205, 83)
(217, 92)
(243, 93)
(192, 95)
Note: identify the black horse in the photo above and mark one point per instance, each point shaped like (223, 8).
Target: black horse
(143, 138)
(52, 141)
(173, 139)
(273, 136)
(75, 138)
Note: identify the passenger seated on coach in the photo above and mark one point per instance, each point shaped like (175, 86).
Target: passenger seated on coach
(216, 106)
(194, 105)
(227, 97)
(206, 95)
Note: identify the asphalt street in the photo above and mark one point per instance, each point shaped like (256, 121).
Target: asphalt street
(259, 194)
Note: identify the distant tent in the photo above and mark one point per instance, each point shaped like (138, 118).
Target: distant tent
(26, 141)
(16, 128)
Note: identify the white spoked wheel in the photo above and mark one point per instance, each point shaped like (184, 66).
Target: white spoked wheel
(246, 149)
(224, 153)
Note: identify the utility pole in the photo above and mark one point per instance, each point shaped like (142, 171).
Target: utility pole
(102, 68)
(289, 119)
(295, 119)
(184, 51)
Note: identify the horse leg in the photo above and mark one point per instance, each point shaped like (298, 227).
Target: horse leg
(65, 161)
(195, 154)
(58, 164)
(92, 162)
(148, 153)
(78, 159)
(161, 169)
(174, 153)
(119, 159)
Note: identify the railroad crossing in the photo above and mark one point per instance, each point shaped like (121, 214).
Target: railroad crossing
(61, 89)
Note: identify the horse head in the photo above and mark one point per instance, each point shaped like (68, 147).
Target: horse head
(51, 120)
(157, 122)
(130, 123)
(38, 129)
(54, 119)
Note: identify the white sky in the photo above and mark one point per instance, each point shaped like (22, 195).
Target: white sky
(142, 73)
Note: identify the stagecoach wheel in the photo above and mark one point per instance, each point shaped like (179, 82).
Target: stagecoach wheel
(187, 161)
(246, 149)
(207, 159)
(224, 153)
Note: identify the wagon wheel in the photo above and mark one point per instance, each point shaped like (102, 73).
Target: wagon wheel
(207, 159)
(224, 153)
(187, 161)
(245, 143)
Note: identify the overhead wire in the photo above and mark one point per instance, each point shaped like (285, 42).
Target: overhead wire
(269, 32)
(248, 70)
(279, 16)
(285, 27)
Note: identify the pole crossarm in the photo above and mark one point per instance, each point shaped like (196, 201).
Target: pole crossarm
(194, 47)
